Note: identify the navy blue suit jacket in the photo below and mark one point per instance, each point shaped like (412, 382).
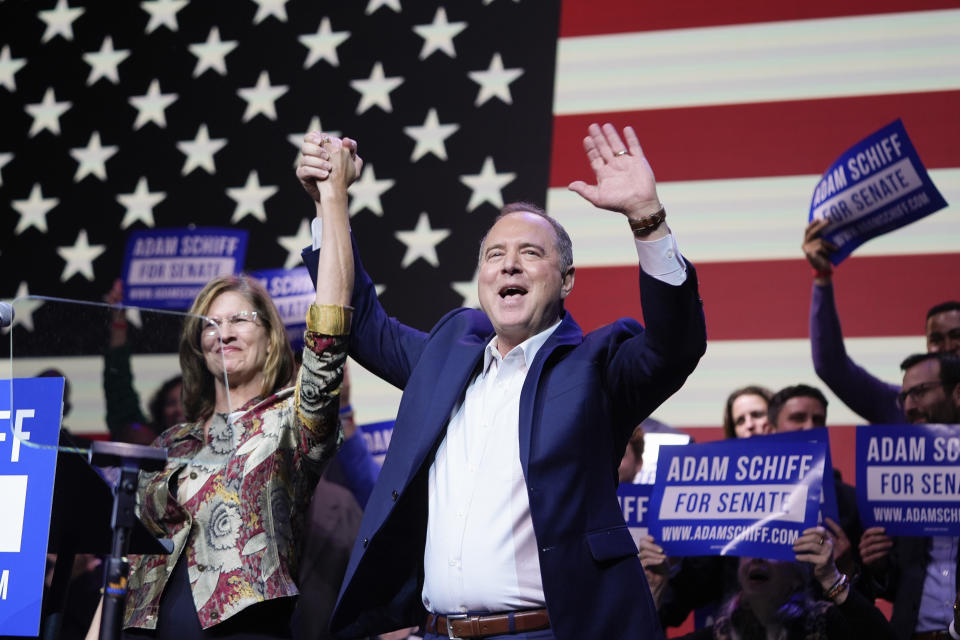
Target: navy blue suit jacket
(581, 400)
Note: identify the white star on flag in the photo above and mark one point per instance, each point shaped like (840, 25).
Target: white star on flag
(430, 136)
(140, 204)
(46, 114)
(468, 291)
(80, 257)
(487, 185)
(9, 67)
(33, 211)
(373, 5)
(59, 21)
(150, 106)
(23, 308)
(104, 62)
(163, 13)
(250, 198)
(439, 35)
(92, 158)
(296, 139)
(295, 243)
(495, 81)
(260, 98)
(5, 158)
(200, 151)
(323, 44)
(212, 54)
(267, 8)
(365, 193)
(421, 242)
(375, 90)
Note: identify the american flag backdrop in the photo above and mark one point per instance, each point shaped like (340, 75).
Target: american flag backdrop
(166, 113)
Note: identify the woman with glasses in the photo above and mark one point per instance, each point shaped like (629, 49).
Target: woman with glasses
(242, 469)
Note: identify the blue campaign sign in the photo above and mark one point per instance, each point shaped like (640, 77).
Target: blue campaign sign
(828, 497)
(744, 497)
(377, 436)
(26, 493)
(908, 478)
(634, 501)
(166, 268)
(293, 292)
(876, 186)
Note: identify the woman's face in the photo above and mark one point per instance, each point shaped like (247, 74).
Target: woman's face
(768, 579)
(749, 413)
(242, 344)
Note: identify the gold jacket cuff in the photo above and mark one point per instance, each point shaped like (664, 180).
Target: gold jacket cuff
(329, 319)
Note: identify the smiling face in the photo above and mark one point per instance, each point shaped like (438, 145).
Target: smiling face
(521, 288)
(749, 413)
(943, 332)
(925, 399)
(240, 348)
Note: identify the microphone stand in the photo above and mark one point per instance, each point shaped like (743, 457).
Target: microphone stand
(131, 459)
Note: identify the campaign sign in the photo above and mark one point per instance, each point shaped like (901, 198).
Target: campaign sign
(377, 437)
(292, 292)
(167, 268)
(744, 497)
(26, 494)
(634, 499)
(876, 186)
(828, 493)
(908, 478)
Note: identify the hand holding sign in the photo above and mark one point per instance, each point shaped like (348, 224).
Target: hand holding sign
(875, 547)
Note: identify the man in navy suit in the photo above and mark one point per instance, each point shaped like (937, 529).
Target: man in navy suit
(495, 513)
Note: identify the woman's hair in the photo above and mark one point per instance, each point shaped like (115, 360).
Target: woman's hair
(198, 384)
(751, 390)
(158, 401)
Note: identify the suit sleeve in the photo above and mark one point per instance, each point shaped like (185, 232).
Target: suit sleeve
(649, 365)
(868, 396)
(381, 344)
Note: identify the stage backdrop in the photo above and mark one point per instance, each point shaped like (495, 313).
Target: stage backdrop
(169, 113)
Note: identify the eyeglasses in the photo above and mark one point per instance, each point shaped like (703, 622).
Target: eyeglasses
(241, 321)
(916, 392)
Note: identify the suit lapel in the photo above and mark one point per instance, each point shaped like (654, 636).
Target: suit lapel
(566, 336)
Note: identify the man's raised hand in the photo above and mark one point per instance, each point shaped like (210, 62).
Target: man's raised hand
(625, 181)
(315, 165)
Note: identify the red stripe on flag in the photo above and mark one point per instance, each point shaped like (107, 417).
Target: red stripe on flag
(770, 299)
(765, 139)
(587, 18)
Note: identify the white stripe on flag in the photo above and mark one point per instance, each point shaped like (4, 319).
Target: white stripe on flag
(791, 60)
(742, 219)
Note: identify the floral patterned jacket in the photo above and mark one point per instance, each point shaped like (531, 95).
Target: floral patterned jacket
(238, 514)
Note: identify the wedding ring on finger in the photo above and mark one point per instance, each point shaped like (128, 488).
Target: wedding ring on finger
(820, 541)
(324, 140)
(622, 152)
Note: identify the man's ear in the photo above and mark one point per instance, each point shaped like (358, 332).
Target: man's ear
(567, 285)
(955, 396)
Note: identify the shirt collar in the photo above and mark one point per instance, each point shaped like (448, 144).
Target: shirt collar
(529, 347)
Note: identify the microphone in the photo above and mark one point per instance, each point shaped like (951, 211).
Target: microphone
(6, 314)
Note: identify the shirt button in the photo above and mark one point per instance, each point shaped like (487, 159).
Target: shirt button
(193, 475)
(460, 513)
(200, 567)
(394, 495)
(214, 615)
(365, 543)
(946, 573)
(453, 562)
(669, 253)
